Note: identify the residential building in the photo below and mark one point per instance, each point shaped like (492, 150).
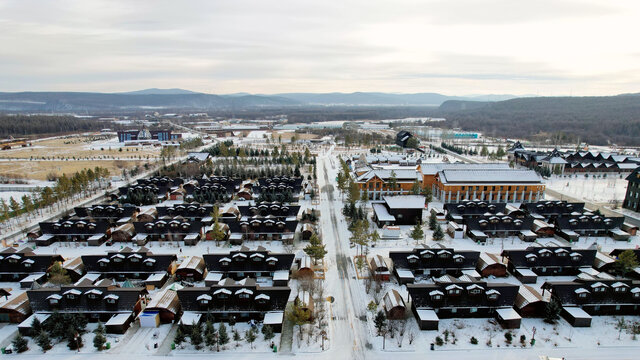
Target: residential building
(434, 261)
(632, 197)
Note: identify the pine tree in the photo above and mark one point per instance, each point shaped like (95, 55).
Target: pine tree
(250, 335)
(20, 343)
(180, 336)
(433, 221)
(36, 326)
(43, 340)
(552, 311)
(438, 234)
(380, 321)
(99, 340)
(267, 331)
(223, 337)
(209, 334)
(626, 262)
(196, 336)
(236, 337)
(417, 234)
(315, 249)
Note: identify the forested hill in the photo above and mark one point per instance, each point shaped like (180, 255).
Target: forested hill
(595, 120)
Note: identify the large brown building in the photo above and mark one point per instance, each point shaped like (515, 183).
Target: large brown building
(377, 182)
(497, 185)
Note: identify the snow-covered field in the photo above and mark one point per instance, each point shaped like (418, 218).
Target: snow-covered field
(601, 190)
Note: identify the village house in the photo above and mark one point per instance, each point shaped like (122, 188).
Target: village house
(96, 303)
(432, 261)
(465, 297)
(399, 210)
(256, 264)
(243, 300)
(549, 260)
(586, 297)
(16, 265)
(129, 264)
(70, 229)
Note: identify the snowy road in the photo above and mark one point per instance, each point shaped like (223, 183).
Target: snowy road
(348, 330)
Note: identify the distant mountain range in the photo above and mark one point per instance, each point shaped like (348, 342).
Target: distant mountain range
(179, 99)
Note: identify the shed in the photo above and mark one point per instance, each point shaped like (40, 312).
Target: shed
(305, 303)
(568, 234)
(190, 318)
(393, 305)
(404, 276)
(525, 275)
(192, 268)
(141, 239)
(618, 234)
(274, 319)
(529, 302)
(455, 230)
(45, 239)
(25, 327)
(123, 233)
(15, 310)
(576, 316)
(527, 235)
(166, 303)
(147, 215)
(149, 319)
(427, 319)
(212, 278)
(508, 318)
(27, 283)
(155, 281)
(629, 228)
(281, 278)
(191, 239)
(307, 231)
(305, 269)
(118, 323)
(542, 228)
(378, 268)
(477, 236)
(96, 240)
(491, 265)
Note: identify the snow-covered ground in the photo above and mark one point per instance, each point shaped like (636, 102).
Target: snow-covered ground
(600, 190)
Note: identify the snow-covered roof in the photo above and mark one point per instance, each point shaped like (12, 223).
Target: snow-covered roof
(273, 318)
(118, 319)
(427, 315)
(381, 212)
(281, 275)
(190, 318)
(508, 314)
(576, 312)
(405, 201)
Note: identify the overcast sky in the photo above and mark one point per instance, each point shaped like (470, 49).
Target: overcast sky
(455, 47)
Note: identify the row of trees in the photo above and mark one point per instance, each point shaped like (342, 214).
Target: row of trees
(81, 183)
(216, 338)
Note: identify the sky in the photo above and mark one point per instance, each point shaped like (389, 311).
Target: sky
(454, 47)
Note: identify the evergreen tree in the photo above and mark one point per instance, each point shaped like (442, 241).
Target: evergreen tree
(417, 234)
(438, 234)
(43, 340)
(36, 326)
(250, 336)
(237, 337)
(626, 262)
(380, 321)
(20, 343)
(552, 311)
(196, 336)
(315, 249)
(433, 221)
(209, 334)
(180, 336)
(99, 340)
(223, 337)
(267, 331)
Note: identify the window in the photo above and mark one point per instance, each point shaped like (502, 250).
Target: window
(473, 310)
(582, 295)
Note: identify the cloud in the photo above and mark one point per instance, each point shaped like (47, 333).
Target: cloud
(463, 46)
